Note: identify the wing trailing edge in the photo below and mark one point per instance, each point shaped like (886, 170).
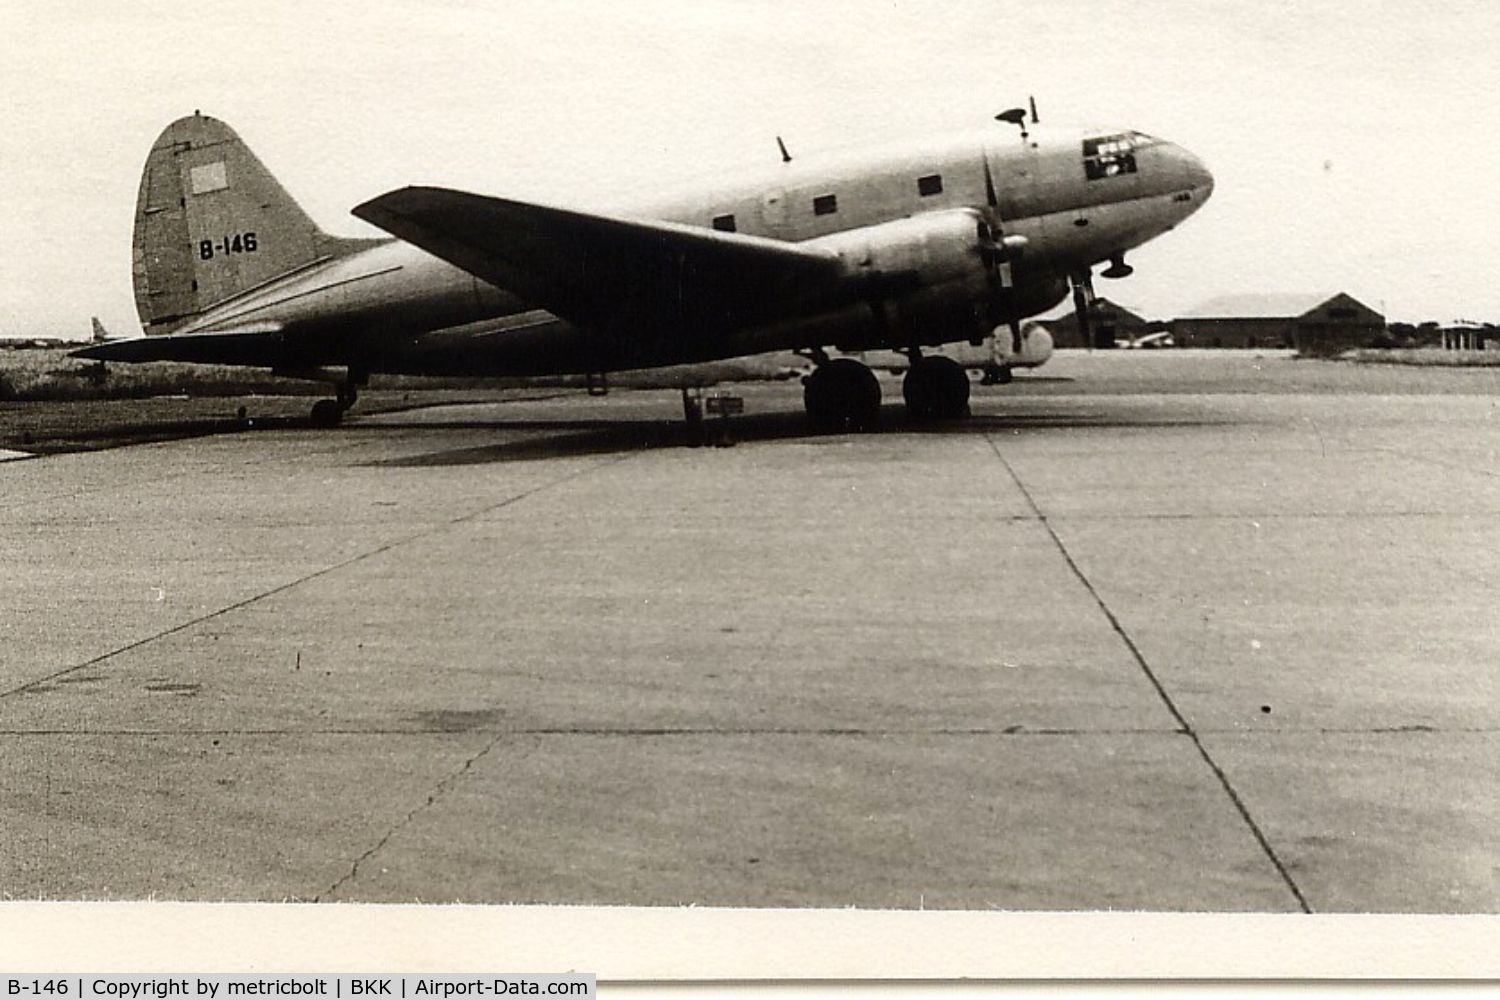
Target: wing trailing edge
(627, 276)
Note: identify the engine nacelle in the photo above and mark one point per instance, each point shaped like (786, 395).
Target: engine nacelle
(923, 251)
(925, 279)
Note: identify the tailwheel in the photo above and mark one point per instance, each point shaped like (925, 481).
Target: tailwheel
(936, 388)
(328, 412)
(842, 395)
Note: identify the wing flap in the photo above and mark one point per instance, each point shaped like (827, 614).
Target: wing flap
(619, 275)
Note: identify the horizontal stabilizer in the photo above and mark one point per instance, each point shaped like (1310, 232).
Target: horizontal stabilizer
(619, 275)
(262, 349)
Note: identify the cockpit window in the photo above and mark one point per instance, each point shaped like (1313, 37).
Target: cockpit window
(1110, 155)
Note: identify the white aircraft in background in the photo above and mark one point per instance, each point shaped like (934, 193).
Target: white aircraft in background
(908, 247)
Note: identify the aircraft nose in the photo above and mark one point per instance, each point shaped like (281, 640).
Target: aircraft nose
(1195, 172)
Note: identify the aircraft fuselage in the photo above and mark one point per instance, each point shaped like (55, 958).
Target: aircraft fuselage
(1064, 199)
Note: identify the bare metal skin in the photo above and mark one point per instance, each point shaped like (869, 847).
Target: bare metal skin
(954, 238)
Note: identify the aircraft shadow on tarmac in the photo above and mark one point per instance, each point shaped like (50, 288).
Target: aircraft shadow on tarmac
(545, 439)
(532, 440)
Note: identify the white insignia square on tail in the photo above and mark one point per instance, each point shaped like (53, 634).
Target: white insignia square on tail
(209, 177)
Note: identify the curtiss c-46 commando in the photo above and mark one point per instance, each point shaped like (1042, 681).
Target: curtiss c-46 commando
(907, 247)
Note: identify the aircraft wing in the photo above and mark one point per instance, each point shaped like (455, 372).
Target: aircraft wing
(619, 275)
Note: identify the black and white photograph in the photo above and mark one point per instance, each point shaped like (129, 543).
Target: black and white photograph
(910, 457)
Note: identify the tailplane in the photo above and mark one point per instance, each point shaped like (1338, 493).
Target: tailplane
(211, 222)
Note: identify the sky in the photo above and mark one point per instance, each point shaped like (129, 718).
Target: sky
(1355, 145)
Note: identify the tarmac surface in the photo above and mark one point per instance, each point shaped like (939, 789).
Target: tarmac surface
(1107, 645)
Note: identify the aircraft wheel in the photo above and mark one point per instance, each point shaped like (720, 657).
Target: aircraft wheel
(936, 388)
(327, 413)
(842, 395)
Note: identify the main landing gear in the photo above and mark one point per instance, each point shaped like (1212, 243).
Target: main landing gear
(935, 388)
(328, 412)
(843, 395)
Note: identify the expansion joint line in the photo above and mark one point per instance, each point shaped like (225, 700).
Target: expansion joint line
(1183, 725)
(273, 591)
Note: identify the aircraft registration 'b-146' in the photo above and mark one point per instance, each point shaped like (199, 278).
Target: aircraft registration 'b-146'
(908, 247)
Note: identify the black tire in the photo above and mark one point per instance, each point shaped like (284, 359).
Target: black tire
(327, 413)
(936, 388)
(842, 395)
(917, 391)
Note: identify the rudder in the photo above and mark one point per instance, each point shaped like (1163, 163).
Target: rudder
(211, 222)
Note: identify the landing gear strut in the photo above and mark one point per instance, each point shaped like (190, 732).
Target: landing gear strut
(996, 374)
(1083, 304)
(842, 395)
(328, 412)
(935, 388)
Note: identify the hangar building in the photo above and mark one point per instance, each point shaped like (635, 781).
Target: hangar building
(1313, 324)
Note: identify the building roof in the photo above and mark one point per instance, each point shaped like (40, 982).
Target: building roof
(1107, 307)
(1279, 305)
(1269, 305)
(1343, 308)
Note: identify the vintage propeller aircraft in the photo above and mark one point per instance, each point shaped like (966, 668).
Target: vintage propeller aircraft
(944, 240)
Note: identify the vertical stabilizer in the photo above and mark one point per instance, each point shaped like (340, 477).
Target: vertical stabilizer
(211, 222)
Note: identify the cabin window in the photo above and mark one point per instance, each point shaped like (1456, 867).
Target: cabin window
(825, 204)
(1108, 156)
(930, 185)
(724, 223)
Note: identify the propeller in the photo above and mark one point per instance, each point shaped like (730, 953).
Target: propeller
(999, 249)
(1010, 247)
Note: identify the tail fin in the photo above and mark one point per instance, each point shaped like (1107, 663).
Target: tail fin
(211, 222)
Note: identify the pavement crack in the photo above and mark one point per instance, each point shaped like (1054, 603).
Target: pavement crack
(326, 570)
(1184, 726)
(437, 792)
